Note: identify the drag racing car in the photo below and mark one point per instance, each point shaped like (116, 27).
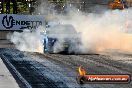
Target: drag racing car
(61, 38)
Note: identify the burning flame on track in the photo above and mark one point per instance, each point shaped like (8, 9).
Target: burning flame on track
(82, 71)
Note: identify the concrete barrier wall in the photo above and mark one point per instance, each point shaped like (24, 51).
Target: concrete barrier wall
(4, 42)
(3, 34)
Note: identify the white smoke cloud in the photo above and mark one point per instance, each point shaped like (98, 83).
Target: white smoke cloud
(110, 30)
(27, 40)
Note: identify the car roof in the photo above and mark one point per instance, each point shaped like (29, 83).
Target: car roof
(61, 29)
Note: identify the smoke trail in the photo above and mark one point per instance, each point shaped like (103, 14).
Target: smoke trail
(27, 40)
(108, 31)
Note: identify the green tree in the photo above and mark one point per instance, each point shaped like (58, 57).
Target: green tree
(22, 7)
(9, 4)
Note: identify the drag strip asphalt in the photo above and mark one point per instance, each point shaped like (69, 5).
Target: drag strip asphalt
(60, 71)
